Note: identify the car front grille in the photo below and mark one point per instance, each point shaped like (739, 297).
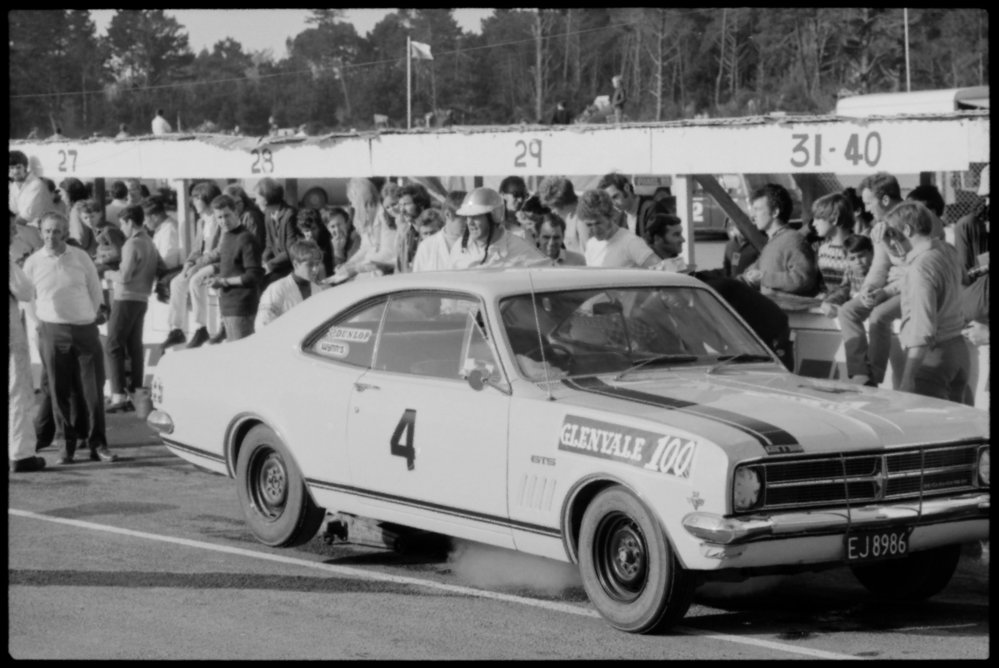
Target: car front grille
(860, 478)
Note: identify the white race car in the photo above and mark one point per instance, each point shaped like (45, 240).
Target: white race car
(625, 420)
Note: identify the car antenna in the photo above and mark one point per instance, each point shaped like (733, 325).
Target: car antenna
(541, 343)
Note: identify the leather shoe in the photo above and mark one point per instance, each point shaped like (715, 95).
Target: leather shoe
(173, 338)
(27, 464)
(200, 336)
(102, 454)
(218, 338)
(66, 459)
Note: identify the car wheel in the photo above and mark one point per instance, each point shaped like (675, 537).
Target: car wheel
(277, 506)
(913, 578)
(629, 570)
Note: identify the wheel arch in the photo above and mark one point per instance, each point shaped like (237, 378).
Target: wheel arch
(235, 435)
(579, 498)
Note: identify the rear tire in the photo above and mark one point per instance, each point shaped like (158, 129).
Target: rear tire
(278, 508)
(629, 570)
(913, 578)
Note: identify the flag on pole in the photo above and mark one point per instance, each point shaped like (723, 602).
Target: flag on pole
(420, 51)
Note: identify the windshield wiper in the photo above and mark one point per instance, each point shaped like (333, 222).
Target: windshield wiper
(741, 357)
(677, 358)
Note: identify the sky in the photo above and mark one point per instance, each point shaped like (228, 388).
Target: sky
(259, 29)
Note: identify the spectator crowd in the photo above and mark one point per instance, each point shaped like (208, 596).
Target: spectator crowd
(76, 264)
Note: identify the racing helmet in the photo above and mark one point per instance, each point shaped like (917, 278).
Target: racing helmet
(483, 200)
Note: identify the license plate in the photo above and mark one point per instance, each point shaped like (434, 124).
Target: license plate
(877, 544)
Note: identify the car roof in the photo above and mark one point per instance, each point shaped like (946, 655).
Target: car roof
(490, 284)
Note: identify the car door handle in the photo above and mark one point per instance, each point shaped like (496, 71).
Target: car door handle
(361, 387)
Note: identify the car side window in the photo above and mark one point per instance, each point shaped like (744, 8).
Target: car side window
(351, 339)
(425, 335)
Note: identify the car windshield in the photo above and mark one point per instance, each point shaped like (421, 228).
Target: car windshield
(583, 332)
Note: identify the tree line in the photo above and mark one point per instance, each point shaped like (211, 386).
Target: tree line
(676, 63)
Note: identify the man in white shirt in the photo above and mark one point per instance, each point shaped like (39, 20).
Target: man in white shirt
(290, 291)
(68, 304)
(164, 232)
(160, 124)
(434, 251)
(610, 245)
(27, 195)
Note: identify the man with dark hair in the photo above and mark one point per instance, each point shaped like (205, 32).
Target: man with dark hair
(293, 289)
(27, 195)
(68, 304)
(280, 227)
(513, 189)
(786, 263)
(413, 201)
(133, 282)
(240, 272)
(119, 200)
(551, 233)
(163, 231)
(664, 235)
(636, 210)
(561, 115)
(878, 303)
(557, 193)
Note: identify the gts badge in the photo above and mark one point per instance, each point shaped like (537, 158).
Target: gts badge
(545, 461)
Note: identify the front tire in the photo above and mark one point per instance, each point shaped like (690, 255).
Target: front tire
(913, 578)
(278, 508)
(629, 570)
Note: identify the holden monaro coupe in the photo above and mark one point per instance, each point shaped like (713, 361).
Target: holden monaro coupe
(624, 420)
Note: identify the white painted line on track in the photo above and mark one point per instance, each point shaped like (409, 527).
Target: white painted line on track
(416, 582)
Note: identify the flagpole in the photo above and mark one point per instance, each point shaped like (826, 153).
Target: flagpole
(409, 84)
(905, 19)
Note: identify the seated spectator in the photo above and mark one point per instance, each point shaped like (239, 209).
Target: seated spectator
(610, 245)
(240, 271)
(557, 193)
(164, 233)
(280, 228)
(413, 201)
(303, 282)
(550, 242)
(664, 235)
(862, 218)
(739, 253)
(833, 221)
(199, 267)
(119, 200)
(486, 243)
(375, 225)
(786, 263)
(344, 239)
(248, 212)
(434, 252)
(859, 255)
(310, 227)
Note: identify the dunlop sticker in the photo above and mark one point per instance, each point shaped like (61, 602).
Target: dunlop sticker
(349, 334)
(666, 453)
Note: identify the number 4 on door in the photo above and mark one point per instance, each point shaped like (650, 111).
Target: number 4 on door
(407, 425)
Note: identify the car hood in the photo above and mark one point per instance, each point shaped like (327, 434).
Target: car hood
(759, 413)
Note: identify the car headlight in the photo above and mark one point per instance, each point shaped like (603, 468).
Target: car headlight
(746, 488)
(983, 467)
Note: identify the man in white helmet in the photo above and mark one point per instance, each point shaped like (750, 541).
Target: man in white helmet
(486, 243)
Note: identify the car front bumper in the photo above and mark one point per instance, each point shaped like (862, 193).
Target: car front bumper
(818, 536)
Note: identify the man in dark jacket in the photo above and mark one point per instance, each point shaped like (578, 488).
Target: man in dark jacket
(240, 271)
(280, 226)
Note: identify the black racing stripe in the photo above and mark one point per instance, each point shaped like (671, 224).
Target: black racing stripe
(771, 437)
(437, 508)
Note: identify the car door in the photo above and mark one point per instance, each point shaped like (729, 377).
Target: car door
(425, 447)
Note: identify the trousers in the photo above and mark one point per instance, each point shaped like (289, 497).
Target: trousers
(125, 342)
(197, 286)
(865, 356)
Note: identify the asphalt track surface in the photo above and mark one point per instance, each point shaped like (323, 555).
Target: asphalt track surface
(148, 558)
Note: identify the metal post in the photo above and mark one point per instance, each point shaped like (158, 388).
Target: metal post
(905, 20)
(409, 84)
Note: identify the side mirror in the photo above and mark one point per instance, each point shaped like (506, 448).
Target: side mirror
(476, 379)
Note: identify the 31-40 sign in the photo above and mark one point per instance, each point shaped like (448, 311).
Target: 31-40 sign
(808, 149)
